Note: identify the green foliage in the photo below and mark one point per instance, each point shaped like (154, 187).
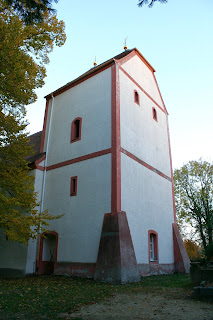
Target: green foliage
(18, 217)
(194, 251)
(194, 198)
(24, 52)
(31, 11)
(150, 2)
(47, 297)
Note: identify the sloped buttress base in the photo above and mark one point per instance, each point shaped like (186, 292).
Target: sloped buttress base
(182, 262)
(116, 261)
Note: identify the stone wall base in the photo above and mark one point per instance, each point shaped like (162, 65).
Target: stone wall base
(78, 269)
(155, 269)
(87, 270)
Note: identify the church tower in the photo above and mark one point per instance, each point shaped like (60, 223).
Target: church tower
(105, 164)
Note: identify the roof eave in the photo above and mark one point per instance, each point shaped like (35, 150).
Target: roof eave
(85, 75)
(95, 70)
(143, 58)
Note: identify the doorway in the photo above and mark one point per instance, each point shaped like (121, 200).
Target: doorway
(47, 252)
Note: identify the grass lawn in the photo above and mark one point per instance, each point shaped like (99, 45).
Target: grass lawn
(45, 297)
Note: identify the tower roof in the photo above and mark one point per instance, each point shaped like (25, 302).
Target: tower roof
(99, 68)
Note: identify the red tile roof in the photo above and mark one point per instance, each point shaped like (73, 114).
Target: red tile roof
(35, 142)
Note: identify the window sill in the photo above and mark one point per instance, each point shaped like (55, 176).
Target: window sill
(154, 261)
(74, 140)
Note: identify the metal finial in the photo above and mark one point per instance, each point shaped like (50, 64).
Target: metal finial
(95, 63)
(125, 46)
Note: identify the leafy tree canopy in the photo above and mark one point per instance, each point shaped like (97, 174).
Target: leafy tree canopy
(18, 215)
(24, 52)
(31, 11)
(150, 2)
(194, 198)
(193, 250)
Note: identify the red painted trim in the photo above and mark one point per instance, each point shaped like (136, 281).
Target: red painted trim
(41, 159)
(137, 84)
(73, 132)
(40, 168)
(115, 141)
(159, 92)
(44, 126)
(101, 68)
(172, 179)
(143, 163)
(144, 61)
(131, 55)
(46, 233)
(136, 97)
(37, 166)
(73, 186)
(155, 246)
(79, 159)
(154, 114)
(126, 58)
(81, 79)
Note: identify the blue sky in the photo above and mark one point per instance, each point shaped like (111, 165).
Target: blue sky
(176, 38)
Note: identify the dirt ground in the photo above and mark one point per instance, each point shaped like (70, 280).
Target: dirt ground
(172, 304)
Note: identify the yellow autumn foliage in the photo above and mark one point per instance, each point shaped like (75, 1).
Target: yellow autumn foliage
(24, 52)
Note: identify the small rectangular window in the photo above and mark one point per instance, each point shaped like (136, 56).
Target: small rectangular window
(73, 186)
(136, 97)
(154, 113)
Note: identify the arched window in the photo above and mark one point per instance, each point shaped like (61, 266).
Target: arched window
(76, 129)
(153, 245)
(154, 113)
(136, 97)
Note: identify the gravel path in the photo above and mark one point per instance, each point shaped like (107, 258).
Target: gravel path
(172, 304)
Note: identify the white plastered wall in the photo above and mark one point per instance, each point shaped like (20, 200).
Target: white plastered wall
(17, 256)
(145, 196)
(90, 100)
(80, 228)
(141, 135)
(139, 71)
(147, 199)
